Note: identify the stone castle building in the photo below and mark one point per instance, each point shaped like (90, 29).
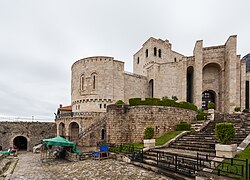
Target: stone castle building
(214, 74)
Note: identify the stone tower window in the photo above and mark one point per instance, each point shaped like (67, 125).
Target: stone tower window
(159, 53)
(138, 60)
(155, 51)
(100, 106)
(82, 82)
(94, 81)
(146, 52)
(174, 59)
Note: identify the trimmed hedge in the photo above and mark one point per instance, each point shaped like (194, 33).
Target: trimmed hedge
(149, 133)
(183, 126)
(163, 102)
(224, 132)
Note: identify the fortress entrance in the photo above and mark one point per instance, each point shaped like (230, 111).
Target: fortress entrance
(20, 142)
(207, 96)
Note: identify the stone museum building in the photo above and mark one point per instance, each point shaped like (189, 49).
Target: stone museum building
(213, 74)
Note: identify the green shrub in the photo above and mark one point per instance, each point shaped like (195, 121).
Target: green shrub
(246, 111)
(211, 105)
(224, 132)
(201, 116)
(164, 102)
(183, 126)
(237, 109)
(119, 102)
(134, 101)
(149, 133)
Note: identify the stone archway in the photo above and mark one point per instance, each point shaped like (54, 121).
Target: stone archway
(212, 85)
(21, 143)
(74, 131)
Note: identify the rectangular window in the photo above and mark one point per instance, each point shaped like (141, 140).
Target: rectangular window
(104, 105)
(100, 106)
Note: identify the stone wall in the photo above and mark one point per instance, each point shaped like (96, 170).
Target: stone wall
(126, 124)
(34, 132)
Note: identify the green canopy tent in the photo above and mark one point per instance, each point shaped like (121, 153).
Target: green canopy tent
(60, 141)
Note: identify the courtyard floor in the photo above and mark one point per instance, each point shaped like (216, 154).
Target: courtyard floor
(29, 167)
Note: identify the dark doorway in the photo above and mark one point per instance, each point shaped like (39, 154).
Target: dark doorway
(207, 96)
(20, 142)
(190, 72)
(151, 88)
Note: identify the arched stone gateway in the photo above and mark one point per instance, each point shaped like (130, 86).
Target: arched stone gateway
(21, 143)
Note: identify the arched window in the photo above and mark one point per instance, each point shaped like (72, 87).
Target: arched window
(159, 53)
(82, 82)
(138, 60)
(94, 80)
(155, 51)
(146, 52)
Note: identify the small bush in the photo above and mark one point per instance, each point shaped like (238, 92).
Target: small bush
(183, 126)
(201, 116)
(237, 109)
(246, 111)
(211, 105)
(149, 133)
(224, 132)
(119, 102)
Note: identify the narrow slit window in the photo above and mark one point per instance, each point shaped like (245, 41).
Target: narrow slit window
(155, 51)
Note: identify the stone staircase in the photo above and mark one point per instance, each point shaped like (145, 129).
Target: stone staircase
(204, 141)
(92, 128)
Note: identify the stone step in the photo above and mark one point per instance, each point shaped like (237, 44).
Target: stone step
(209, 146)
(193, 148)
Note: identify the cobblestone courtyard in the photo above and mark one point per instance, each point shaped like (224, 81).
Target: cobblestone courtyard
(30, 167)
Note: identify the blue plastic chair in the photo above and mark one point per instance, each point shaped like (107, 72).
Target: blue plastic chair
(103, 153)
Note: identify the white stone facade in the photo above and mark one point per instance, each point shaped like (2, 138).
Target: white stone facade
(216, 71)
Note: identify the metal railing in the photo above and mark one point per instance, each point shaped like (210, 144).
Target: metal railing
(189, 165)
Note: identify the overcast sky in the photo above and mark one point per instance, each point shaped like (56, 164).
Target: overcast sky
(40, 40)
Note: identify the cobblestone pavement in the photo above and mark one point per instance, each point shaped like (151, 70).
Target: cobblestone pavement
(30, 167)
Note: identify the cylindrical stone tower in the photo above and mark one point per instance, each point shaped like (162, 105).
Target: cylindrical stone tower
(95, 83)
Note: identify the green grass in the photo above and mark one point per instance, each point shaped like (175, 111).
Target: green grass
(243, 155)
(166, 137)
(159, 141)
